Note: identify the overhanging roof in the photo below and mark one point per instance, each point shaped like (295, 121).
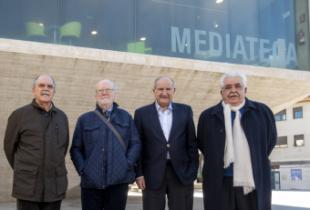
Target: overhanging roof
(76, 68)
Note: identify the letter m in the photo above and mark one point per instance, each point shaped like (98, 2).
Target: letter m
(178, 42)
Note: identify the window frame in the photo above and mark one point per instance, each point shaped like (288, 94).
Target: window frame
(279, 139)
(297, 137)
(296, 111)
(281, 116)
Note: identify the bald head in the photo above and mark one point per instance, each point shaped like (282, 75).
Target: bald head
(105, 82)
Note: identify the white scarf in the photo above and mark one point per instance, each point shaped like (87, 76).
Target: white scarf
(237, 150)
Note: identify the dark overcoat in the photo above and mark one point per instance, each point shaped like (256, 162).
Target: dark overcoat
(259, 126)
(35, 145)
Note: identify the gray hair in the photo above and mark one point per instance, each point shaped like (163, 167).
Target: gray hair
(107, 81)
(34, 82)
(164, 77)
(243, 78)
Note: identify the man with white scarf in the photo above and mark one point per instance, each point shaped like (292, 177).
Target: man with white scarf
(236, 137)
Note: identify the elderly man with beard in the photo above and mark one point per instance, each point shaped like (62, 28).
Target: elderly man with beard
(236, 136)
(35, 144)
(105, 148)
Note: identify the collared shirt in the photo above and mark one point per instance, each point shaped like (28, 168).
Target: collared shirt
(106, 113)
(165, 119)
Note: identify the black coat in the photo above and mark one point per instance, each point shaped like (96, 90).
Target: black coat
(35, 145)
(259, 126)
(182, 145)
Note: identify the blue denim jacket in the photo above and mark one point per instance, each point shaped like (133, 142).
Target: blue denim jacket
(97, 154)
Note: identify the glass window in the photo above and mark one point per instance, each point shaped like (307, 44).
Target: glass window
(281, 142)
(280, 116)
(211, 30)
(296, 174)
(297, 112)
(299, 140)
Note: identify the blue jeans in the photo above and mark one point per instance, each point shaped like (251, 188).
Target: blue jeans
(111, 198)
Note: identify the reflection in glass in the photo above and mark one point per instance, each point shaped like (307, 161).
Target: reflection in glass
(271, 33)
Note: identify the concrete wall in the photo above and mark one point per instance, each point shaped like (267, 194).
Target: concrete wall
(289, 183)
(77, 69)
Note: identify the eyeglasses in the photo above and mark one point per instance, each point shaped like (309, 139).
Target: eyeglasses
(104, 91)
(164, 89)
(230, 87)
(48, 86)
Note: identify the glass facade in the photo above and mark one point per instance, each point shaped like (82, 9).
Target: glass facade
(270, 33)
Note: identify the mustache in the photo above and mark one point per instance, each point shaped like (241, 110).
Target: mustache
(233, 95)
(45, 93)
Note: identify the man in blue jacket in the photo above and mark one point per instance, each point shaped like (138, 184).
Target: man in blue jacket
(105, 148)
(236, 137)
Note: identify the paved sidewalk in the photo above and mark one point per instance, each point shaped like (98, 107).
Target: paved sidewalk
(134, 203)
(281, 200)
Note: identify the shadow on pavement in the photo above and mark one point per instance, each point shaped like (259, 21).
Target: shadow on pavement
(278, 207)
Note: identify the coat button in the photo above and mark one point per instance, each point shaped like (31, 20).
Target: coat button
(102, 149)
(168, 145)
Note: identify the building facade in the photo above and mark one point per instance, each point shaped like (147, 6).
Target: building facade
(291, 157)
(132, 42)
(269, 33)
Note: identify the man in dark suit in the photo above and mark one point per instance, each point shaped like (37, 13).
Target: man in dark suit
(169, 157)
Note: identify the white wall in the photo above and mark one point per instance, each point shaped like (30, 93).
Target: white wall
(286, 182)
(289, 128)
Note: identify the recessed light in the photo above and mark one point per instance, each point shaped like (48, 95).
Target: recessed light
(94, 32)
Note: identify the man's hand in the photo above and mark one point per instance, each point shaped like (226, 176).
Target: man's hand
(140, 182)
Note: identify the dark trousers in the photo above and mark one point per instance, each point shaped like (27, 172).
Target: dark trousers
(31, 205)
(233, 198)
(180, 197)
(111, 198)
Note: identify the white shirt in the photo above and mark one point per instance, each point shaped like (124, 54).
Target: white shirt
(165, 119)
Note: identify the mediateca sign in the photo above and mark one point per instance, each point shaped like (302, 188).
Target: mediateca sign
(211, 45)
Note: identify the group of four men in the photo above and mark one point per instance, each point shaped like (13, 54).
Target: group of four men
(158, 149)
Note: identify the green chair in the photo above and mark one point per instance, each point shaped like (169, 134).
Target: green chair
(35, 31)
(138, 47)
(70, 32)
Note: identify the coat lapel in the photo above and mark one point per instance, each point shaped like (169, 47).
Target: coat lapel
(218, 112)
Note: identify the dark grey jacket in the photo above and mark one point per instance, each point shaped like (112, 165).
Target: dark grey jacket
(35, 145)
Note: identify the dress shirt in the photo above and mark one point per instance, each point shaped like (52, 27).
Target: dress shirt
(107, 113)
(165, 119)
